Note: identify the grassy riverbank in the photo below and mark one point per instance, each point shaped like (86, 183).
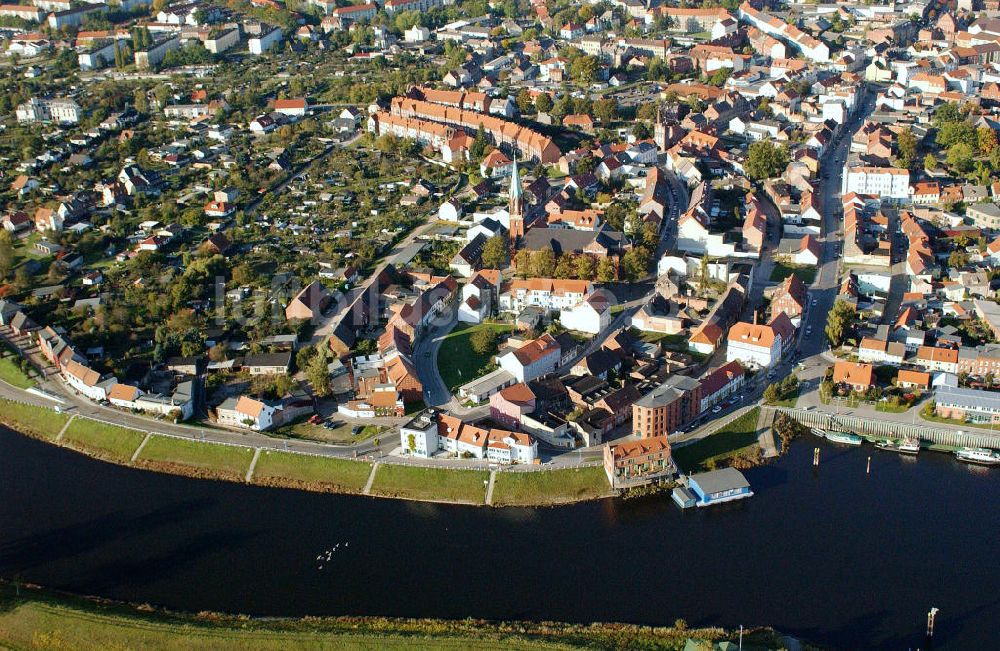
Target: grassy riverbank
(547, 487)
(29, 419)
(33, 619)
(431, 484)
(196, 458)
(206, 460)
(103, 441)
(736, 437)
(292, 470)
(12, 374)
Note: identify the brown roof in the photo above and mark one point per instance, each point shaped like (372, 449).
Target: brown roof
(853, 373)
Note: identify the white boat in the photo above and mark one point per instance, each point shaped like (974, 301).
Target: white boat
(818, 432)
(980, 456)
(844, 437)
(905, 446)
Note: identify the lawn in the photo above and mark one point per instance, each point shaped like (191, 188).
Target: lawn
(435, 484)
(196, 458)
(339, 435)
(305, 470)
(102, 440)
(544, 487)
(806, 273)
(30, 419)
(457, 362)
(34, 620)
(12, 374)
(739, 435)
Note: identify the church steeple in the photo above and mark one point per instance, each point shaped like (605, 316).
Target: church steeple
(516, 207)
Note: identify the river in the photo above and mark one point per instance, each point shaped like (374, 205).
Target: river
(831, 554)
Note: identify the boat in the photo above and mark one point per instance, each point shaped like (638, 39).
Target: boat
(844, 437)
(980, 456)
(818, 432)
(905, 446)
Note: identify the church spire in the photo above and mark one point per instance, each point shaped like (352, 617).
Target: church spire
(516, 208)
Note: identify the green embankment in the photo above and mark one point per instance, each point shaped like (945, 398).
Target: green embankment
(307, 471)
(30, 419)
(550, 486)
(102, 440)
(434, 484)
(196, 458)
(32, 619)
(738, 436)
(12, 374)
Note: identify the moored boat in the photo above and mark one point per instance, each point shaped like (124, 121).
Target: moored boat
(980, 456)
(904, 446)
(818, 432)
(844, 437)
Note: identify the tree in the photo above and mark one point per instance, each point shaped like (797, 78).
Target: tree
(605, 110)
(484, 340)
(930, 162)
(522, 262)
(906, 145)
(524, 102)
(839, 322)
(479, 144)
(6, 256)
(960, 157)
(318, 374)
(635, 262)
(987, 139)
(565, 267)
(765, 160)
(958, 259)
(955, 132)
(495, 252)
(543, 103)
(606, 270)
(771, 394)
(543, 263)
(646, 112)
(585, 267)
(584, 68)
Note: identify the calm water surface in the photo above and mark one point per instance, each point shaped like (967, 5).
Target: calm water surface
(834, 555)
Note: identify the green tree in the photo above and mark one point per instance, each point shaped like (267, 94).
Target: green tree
(906, 145)
(839, 322)
(766, 160)
(930, 162)
(495, 252)
(584, 68)
(479, 144)
(635, 262)
(543, 102)
(606, 110)
(585, 267)
(958, 259)
(606, 270)
(6, 256)
(319, 375)
(543, 263)
(987, 140)
(484, 340)
(960, 157)
(771, 394)
(952, 133)
(524, 102)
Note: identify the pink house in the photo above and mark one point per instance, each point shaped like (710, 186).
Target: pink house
(508, 406)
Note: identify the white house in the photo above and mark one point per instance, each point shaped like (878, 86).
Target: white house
(591, 315)
(265, 41)
(534, 359)
(478, 297)
(546, 293)
(419, 437)
(87, 381)
(883, 182)
(246, 412)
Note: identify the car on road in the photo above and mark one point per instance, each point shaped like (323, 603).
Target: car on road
(716, 409)
(809, 330)
(355, 430)
(814, 301)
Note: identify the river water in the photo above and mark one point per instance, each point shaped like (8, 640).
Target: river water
(833, 554)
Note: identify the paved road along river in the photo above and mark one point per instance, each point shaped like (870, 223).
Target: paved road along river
(834, 555)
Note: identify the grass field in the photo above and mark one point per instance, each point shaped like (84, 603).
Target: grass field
(437, 484)
(287, 468)
(727, 442)
(550, 486)
(12, 374)
(339, 435)
(198, 457)
(102, 440)
(805, 273)
(38, 421)
(34, 620)
(458, 363)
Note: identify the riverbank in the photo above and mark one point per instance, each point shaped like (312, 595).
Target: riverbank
(301, 471)
(34, 618)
